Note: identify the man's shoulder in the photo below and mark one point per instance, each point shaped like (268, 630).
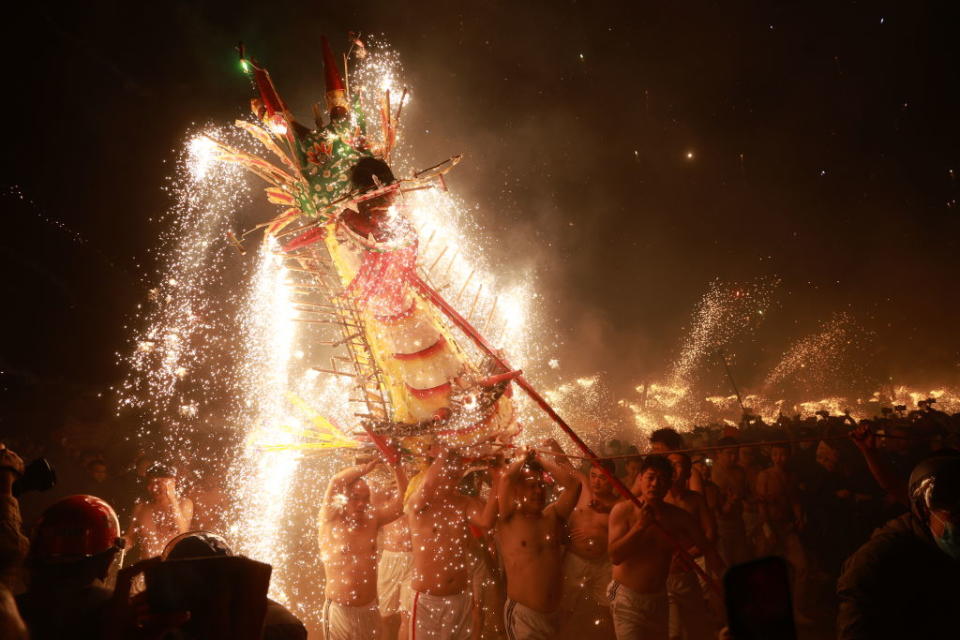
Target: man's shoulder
(621, 509)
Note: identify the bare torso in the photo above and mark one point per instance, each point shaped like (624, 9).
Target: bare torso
(645, 570)
(532, 554)
(155, 525)
(776, 490)
(732, 485)
(588, 530)
(438, 537)
(348, 550)
(394, 536)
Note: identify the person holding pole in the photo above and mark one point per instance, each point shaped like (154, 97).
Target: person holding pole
(642, 545)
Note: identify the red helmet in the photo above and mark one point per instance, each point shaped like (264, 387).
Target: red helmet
(74, 528)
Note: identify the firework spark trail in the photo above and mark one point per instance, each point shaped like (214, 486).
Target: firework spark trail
(263, 477)
(813, 357)
(175, 371)
(726, 311)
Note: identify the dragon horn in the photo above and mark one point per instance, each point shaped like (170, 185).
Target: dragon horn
(336, 90)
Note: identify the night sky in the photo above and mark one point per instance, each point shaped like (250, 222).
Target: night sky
(628, 153)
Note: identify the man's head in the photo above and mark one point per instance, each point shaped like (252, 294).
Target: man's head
(599, 482)
(681, 468)
(779, 455)
(728, 457)
(656, 476)
(531, 488)
(935, 499)
(97, 470)
(827, 456)
(356, 498)
(663, 440)
(161, 480)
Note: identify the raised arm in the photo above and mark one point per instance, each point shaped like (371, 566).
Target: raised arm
(866, 441)
(625, 539)
(180, 509)
(486, 517)
(439, 480)
(393, 508)
(569, 483)
(506, 487)
(338, 486)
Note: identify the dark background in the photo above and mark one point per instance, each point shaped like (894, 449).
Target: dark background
(823, 137)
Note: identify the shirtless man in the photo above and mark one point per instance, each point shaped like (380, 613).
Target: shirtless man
(531, 535)
(439, 516)
(732, 482)
(163, 516)
(781, 517)
(689, 616)
(642, 545)
(348, 529)
(586, 567)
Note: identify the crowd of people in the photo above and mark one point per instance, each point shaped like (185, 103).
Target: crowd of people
(528, 542)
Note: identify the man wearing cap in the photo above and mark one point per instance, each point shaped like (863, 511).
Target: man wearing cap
(905, 581)
(164, 516)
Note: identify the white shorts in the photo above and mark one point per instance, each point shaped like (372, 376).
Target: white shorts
(341, 622)
(583, 579)
(440, 617)
(393, 576)
(524, 623)
(638, 616)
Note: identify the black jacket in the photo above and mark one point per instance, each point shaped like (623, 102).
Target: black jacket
(899, 585)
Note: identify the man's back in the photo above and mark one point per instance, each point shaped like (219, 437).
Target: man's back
(898, 585)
